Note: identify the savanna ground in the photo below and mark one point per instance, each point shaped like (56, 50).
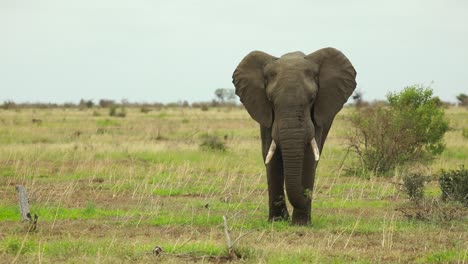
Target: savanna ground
(110, 189)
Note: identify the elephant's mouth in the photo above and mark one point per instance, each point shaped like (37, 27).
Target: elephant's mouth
(272, 149)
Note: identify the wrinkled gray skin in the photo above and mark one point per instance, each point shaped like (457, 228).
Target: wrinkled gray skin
(294, 99)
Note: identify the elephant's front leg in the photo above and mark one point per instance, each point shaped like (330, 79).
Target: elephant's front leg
(277, 201)
(275, 177)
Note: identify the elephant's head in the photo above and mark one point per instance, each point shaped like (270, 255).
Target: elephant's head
(297, 96)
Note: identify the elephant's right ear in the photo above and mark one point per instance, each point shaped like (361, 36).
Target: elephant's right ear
(249, 81)
(337, 81)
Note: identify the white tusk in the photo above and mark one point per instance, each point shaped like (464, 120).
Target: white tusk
(271, 151)
(315, 149)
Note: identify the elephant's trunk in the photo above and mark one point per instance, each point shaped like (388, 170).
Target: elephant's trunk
(294, 135)
(292, 150)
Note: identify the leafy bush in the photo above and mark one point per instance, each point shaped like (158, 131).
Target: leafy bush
(454, 185)
(8, 105)
(114, 112)
(413, 185)
(451, 205)
(465, 133)
(145, 110)
(212, 142)
(409, 129)
(14, 245)
(462, 99)
(85, 104)
(106, 103)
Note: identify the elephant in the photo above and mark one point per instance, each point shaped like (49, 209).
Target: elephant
(294, 98)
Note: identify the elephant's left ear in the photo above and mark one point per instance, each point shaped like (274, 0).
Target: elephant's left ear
(249, 81)
(337, 81)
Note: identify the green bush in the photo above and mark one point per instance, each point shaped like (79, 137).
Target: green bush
(465, 133)
(409, 129)
(204, 107)
(462, 99)
(413, 185)
(145, 110)
(113, 111)
(212, 142)
(454, 185)
(8, 105)
(451, 205)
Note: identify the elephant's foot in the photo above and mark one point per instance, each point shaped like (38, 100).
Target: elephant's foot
(278, 211)
(301, 217)
(278, 215)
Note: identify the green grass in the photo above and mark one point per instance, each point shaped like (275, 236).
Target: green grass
(107, 122)
(49, 213)
(445, 256)
(110, 190)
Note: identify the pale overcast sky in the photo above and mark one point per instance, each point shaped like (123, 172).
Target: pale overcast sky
(165, 51)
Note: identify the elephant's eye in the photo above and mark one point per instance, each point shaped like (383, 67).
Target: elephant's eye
(269, 76)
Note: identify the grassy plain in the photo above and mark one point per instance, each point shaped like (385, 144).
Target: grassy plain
(109, 189)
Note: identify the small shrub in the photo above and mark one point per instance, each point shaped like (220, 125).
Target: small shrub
(145, 110)
(433, 210)
(113, 111)
(204, 107)
(413, 185)
(454, 185)
(410, 129)
(212, 142)
(90, 208)
(465, 133)
(36, 121)
(104, 103)
(101, 131)
(85, 104)
(107, 122)
(9, 105)
(159, 136)
(14, 246)
(462, 99)
(451, 206)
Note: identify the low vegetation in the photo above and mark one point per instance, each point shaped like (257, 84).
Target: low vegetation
(140, 189)
(454, 185)
(448, 206)
(212, 142)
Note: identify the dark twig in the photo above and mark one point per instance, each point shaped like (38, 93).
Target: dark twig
(230, 248)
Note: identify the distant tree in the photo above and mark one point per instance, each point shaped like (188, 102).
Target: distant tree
(358, 98)
(8, 105)
(125, 102)
(86, 103)
(106, 103)
(185, 103)
(462, 99)
(440, 103)
(225, 95)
